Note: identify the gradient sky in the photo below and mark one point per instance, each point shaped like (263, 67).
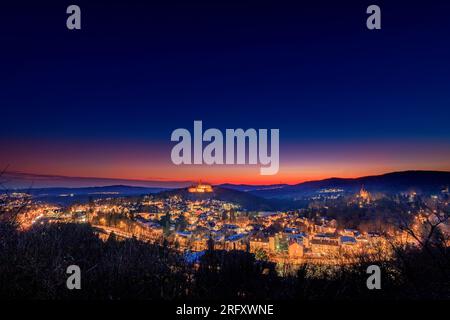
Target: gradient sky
(103, 101)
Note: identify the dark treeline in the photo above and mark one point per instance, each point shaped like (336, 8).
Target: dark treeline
(33, 266)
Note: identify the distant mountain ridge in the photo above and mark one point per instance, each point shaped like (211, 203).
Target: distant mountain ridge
(394, 182)
(20, 180)
(67, 196)
(115, 189)
(278, 194)
(249, 187)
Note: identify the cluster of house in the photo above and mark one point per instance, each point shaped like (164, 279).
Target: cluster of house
(276, 235)
(296, 246)
(209, 222)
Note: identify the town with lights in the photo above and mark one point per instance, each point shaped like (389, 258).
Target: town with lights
(289, 238)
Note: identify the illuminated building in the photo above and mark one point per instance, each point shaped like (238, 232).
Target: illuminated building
(295, 250)
(364, 194)
(201, 188)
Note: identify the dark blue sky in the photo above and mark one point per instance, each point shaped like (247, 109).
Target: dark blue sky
(139, 69)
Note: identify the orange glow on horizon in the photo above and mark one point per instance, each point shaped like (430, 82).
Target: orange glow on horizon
(298, 163)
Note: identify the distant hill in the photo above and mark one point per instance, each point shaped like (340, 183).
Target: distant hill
(259, 197)
(245, 199)
(395, 182)
(67, 196)
(249, 187)
(119, 189)
(20, 180)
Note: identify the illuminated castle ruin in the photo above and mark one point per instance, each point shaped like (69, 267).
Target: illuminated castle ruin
(201, 188)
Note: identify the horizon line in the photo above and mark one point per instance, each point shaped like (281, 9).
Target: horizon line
(157, 180)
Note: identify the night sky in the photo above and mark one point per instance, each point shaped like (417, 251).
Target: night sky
(103, 101)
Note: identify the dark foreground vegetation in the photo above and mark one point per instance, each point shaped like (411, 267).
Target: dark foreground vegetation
(33, 266)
